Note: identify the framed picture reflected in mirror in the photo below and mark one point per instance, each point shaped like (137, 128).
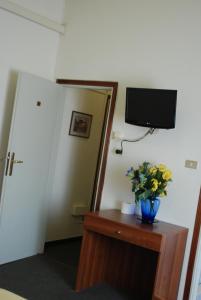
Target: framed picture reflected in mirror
(80, 124)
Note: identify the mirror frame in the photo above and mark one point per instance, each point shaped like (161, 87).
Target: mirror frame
(194, 245)
(105, 136)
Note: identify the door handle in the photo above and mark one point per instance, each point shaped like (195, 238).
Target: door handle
(12, 162)
(7, 163)
(18, 161)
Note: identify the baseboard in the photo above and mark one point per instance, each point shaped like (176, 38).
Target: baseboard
(62, 241)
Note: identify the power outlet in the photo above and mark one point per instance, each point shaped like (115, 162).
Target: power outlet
(117, 135)
(192, 164)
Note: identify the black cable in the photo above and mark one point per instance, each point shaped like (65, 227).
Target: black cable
(120, 151)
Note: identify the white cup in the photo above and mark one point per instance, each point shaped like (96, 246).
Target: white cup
(128, 208)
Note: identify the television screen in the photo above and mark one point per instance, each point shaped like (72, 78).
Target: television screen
(153, 108)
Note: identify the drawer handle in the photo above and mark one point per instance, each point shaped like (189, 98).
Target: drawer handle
(118, 231)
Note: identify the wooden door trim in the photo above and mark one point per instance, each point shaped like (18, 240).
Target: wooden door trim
(194, 244)
(103, 150)
(112, 84)
(98, 164)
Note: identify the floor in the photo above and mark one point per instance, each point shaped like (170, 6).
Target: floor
(51, 276)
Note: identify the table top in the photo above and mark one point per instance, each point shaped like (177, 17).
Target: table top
(134, 222)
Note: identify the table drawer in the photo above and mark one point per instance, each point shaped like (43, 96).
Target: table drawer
(124, 232)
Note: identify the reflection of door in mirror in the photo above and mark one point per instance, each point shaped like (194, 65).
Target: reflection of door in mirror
(75, 164)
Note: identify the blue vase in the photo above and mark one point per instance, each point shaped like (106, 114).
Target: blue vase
(149, 209)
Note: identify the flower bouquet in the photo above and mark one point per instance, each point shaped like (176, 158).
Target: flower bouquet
(148, 183)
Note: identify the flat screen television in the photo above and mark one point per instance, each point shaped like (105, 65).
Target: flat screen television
(154, 108)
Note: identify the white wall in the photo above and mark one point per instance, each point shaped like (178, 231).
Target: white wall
(143, 43)
(75, 164)
(25, 46)
(51, 9)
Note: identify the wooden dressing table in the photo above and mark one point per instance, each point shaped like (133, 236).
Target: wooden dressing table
(145, 260)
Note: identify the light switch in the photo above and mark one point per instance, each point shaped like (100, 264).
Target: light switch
(192, 164)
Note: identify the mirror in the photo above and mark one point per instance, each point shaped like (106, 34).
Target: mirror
(81, 160)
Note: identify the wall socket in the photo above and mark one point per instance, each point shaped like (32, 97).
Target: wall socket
(117, 135)
(192, 164)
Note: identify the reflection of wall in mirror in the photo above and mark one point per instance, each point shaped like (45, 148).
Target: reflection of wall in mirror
(76, 164)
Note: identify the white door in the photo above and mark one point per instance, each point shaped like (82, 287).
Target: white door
(38, 105)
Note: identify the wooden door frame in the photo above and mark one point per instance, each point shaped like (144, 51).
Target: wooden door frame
(105, 136)
(194, 245)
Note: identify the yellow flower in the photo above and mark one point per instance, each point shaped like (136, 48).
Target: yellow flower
(162, 168)
(167, 175)
(162, 194)
(154, 185)
(153, 170)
